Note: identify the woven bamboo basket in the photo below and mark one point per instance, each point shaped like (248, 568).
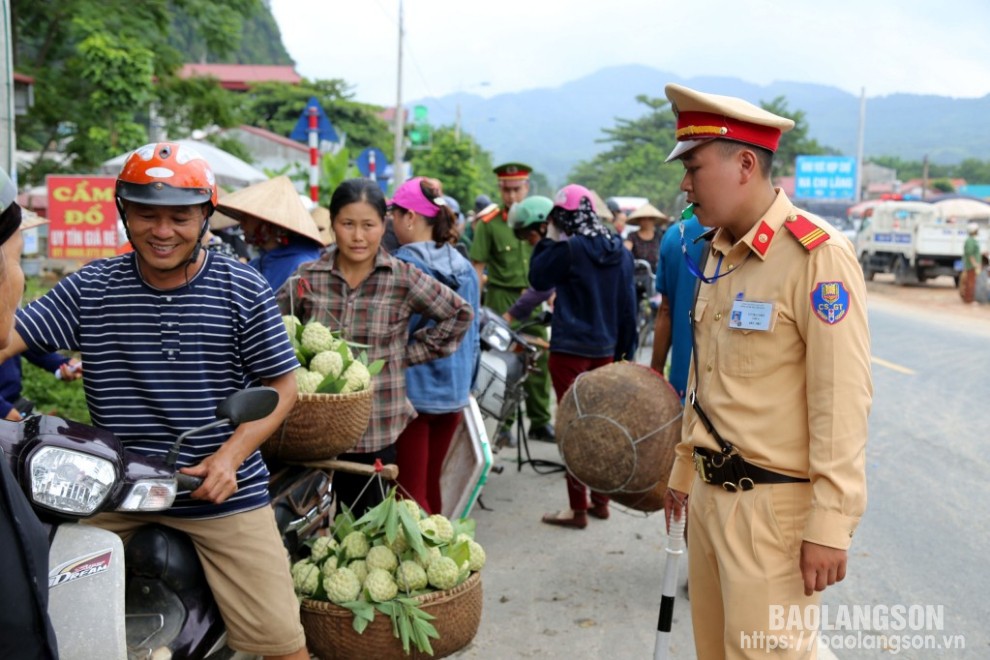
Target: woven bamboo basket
(617, 427)
(330, 633)
(320, 426)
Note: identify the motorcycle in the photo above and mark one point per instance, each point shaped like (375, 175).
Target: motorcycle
(150, 599)
(507, 358)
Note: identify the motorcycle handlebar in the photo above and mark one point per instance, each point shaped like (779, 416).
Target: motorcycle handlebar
(188, 481)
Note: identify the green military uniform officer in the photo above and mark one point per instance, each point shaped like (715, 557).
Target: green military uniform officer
(502, 262)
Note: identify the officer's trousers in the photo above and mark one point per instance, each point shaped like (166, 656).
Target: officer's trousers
(744, 572)
(537, 385)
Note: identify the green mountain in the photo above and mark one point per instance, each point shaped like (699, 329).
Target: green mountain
(261, 41)
(553, 129)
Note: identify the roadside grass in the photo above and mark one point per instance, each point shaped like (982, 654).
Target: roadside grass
(51, 396)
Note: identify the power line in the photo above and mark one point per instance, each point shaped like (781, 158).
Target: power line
(409, 51)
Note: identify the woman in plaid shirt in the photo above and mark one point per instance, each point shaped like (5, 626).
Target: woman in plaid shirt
(358, 288)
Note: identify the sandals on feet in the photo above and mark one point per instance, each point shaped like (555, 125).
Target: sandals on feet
(599, 511)
(567, 518)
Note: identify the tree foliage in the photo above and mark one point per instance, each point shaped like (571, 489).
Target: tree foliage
(261, 40)
(278, 106)
(794, 142)
(464, 168)
(633, 165)
(100, 66)
(972, 170)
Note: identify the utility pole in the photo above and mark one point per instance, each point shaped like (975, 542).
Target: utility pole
(8, 160)
(398, 173)
(924, 177)
(859, 145)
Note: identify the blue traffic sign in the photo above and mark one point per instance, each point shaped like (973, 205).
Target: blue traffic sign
(324, 128)
(363, 163)
(825, 177)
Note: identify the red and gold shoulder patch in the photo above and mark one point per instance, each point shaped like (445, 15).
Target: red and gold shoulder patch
(761, 242)
(487, 216)
(808, 233)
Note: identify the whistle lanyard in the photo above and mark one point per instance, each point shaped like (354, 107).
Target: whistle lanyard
(724, 444)
(697, 270)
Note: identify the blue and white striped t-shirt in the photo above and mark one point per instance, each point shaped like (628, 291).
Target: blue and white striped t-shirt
(157, 362)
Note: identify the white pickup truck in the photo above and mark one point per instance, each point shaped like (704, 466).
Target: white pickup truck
(912, 241)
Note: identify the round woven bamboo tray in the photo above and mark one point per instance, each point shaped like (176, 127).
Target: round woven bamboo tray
(617, 427)
(320, 426)
(330, 631)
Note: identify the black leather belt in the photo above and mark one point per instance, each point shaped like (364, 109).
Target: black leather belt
(732, 473)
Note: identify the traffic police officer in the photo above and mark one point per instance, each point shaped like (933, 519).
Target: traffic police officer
(496, 249)
(774, 434)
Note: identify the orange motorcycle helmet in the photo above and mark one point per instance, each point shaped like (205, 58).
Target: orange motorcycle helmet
(166, 174)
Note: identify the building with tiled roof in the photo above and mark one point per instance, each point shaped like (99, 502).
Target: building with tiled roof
(238, 77)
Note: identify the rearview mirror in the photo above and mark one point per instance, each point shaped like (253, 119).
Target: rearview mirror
(248, 405)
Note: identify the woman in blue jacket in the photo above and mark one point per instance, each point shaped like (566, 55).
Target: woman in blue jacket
(594, 315)
(426, 228)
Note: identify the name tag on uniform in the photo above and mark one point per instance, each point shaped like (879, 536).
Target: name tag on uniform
(747, 315)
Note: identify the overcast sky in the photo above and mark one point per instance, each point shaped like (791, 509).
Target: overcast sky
(483, 47)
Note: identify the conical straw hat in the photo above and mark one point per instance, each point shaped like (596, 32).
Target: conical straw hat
(601, 208)
(647, 211)
(275, 201)
(219, 220)
(321, 215)
(30, 219)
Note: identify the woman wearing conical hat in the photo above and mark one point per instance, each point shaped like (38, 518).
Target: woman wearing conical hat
(277, 223)
(644, 243)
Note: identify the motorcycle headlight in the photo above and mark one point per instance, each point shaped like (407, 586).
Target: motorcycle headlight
(70, 481)
(497, 337)
(150, 495)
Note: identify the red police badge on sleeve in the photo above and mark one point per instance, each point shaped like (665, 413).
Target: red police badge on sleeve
(830, 301)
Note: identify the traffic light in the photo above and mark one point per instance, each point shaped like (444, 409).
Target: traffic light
(419, 132)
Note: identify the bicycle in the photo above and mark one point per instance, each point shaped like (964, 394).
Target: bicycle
(648, 301)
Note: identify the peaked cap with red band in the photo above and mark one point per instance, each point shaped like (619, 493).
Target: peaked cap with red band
(512, 172)
(702, 117)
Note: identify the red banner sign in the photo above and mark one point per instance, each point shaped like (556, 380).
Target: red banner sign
(82, 217)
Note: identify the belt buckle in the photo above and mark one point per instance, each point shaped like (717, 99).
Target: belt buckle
(744, 484)
(699, 465)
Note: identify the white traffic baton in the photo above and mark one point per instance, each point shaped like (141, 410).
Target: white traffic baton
(674, 550)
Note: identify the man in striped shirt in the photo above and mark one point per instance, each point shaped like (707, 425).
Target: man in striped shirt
(167, 332)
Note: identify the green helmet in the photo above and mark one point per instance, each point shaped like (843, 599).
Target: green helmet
(530, 212)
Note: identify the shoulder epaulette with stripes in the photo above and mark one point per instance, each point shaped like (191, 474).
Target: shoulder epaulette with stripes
(808, 233)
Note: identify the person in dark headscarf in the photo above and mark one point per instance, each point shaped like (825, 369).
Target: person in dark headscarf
(594, 315)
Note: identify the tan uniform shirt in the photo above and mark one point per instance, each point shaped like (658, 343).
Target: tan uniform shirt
(795, 397)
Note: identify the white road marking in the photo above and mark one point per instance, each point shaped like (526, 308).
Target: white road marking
(893, 366)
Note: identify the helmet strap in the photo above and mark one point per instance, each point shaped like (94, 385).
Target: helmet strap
(199, 240)
(193, 256)
(123, 216)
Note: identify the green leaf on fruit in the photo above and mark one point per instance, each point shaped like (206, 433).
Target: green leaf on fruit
(414, 534)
